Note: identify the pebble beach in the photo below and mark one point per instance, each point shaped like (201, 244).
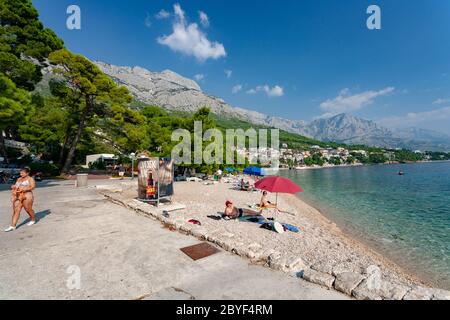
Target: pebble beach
(320, 252)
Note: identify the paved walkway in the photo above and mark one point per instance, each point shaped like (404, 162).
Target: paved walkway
(120, 255)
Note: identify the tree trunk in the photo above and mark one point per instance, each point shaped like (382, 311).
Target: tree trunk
(73, 147)
(2, 147)
(64, 147)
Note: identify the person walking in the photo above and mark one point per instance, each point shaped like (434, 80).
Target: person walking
(22, 197)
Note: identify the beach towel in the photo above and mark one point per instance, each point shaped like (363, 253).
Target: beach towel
(268, 223)
(254, 219)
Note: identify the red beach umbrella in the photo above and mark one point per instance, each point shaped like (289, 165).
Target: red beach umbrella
(278, 184)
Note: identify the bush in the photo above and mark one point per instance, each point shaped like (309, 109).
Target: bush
(97, 165)
(47, 169)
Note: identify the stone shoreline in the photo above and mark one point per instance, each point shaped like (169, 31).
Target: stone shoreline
(320, 253)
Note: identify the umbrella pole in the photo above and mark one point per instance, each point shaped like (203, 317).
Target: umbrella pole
(276, 207)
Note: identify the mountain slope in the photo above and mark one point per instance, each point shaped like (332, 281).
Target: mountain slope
(347, 128)
(174, 92)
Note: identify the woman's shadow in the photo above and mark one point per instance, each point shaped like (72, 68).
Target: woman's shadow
(39, 215)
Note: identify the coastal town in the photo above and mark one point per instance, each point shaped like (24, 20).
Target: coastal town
(316, 156)
(311, 157)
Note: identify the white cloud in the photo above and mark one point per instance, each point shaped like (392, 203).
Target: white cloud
(190, 40)
(199, 77)
(163, 14)
(204, 20)
(237, 88)
(148, 21)
(178, 11)
(416, 118)
(441, 101)
(228, 73)
(345, 102)
(275, 91)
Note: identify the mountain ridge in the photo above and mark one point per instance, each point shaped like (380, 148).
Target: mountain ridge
(172, 91)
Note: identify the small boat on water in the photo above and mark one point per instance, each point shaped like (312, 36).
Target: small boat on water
(401, 173)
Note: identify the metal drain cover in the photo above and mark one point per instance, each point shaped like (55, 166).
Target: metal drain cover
(200, 251)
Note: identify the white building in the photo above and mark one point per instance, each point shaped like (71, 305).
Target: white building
(103, 157)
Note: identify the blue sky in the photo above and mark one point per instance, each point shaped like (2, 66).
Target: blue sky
(294, 59)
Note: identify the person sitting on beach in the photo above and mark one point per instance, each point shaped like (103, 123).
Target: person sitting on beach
(242, 184)
(232, 212)
(265, 203)
(246, 186)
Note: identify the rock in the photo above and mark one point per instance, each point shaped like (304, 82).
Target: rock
(373, 269)
(419, 293)
(257, 256)
(317, 277)
(390, 291)
(347, 281)
(274, 260)
(186, 227)
(213, 236)
(267, 253)
(254, 251)
(439, 294)
(323, 266)
(222, 238)
(228, 246)
(339, 268)
(293, 264)
(286, 264)
(240, 249)
(373, 277)
(364, 292)
(198, 232)
(178, 223)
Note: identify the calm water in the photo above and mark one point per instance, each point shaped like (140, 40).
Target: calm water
(405, 217)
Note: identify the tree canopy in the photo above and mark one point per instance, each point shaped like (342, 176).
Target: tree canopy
(24, 42)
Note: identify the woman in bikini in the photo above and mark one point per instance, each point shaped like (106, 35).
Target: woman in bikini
(265, 203)
(233, 213)
(22, 197)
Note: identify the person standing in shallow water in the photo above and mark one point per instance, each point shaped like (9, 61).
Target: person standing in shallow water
(22, 197)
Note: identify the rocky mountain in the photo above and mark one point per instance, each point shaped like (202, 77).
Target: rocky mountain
(171, 91)
(349, 129)
(424, 139)
(174, 92)
(422, 135)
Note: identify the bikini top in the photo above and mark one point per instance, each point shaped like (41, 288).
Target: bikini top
(25, 183)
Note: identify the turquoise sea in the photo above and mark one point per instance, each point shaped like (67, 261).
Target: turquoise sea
(407, 218)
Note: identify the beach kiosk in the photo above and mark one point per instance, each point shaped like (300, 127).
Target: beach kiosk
(155, 180)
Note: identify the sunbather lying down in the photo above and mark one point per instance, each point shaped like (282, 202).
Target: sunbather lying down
(232, 212)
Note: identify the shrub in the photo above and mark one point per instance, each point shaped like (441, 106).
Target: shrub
(47, 169)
